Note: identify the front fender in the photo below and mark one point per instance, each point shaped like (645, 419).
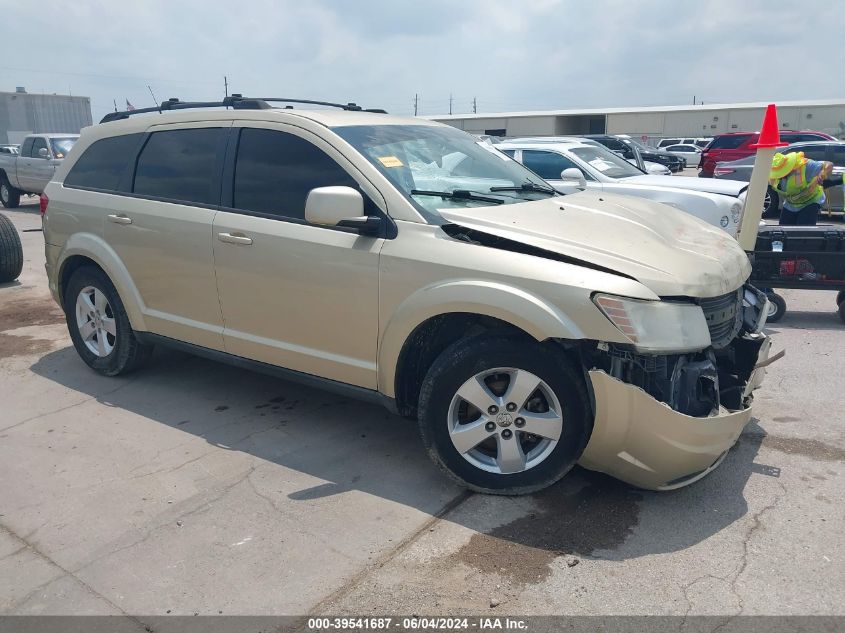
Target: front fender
(95, 248)
(521, 309)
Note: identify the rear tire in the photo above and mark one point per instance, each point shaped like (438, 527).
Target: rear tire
(9, 196)
(11, 251)
(99, 326)
(777, 307)
(499, 454)
(840, 297)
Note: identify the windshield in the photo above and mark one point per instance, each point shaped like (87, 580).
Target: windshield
(61, 146)
(606, 162)
(422, 159)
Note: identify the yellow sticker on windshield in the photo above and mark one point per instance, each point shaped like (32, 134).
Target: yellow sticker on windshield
(390, 161)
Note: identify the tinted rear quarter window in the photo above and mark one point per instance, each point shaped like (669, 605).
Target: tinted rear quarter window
(103, 163)
(179, 165)
(728, 142)
(275, 171)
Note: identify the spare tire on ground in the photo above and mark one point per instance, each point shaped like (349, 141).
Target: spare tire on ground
(11, 251)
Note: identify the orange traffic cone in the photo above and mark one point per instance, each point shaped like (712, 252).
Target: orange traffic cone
(769, 133)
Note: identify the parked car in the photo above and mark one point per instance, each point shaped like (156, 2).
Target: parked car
(625, 145)
(11, 251)
(524, 331)
(30, 171)
(572, 164)
(690, 153)
(833, 151)
(10, 149)
(728, 147)
(699, 142)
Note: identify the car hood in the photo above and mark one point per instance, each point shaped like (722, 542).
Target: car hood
(708, 185)
(670, 252)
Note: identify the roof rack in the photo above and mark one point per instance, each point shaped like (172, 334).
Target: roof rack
(236, 102)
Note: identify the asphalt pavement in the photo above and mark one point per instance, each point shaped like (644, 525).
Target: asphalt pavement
(194, 487)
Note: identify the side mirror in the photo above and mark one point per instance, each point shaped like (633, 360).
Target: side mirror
(340, 206)
(574, 176)
(43, 153)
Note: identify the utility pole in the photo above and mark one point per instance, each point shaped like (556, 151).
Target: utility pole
(474, 106)
(115, 104)
(416, 103)
(450, 103)
(693, 100)
(226, 85)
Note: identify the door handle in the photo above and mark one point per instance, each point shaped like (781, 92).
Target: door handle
(120, 219)
(234, 238)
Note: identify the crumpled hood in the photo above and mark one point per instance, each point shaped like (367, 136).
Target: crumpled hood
(669, 251)
(708, 185)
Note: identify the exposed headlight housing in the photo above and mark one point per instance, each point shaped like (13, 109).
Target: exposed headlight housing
(736, 212)
(657, 326)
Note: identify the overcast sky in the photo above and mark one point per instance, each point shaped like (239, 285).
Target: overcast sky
(510, 55)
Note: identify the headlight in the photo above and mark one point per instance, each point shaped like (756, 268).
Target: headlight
(657, 326)
(736, 212)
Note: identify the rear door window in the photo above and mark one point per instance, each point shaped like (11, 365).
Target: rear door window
(103, 164)
(180, 165)
(729, 142)
(275, 171)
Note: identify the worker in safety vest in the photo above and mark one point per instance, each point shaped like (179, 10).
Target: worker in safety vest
(800, 182)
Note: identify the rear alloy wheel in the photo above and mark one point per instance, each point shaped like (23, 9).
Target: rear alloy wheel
(504, 414)
(99, 326)
(9, 196)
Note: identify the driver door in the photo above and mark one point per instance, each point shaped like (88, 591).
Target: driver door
(293, 294)
(35, 171)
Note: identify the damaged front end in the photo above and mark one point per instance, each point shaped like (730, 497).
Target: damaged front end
(663, 421)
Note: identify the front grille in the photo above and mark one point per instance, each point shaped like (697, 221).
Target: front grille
(724, 317)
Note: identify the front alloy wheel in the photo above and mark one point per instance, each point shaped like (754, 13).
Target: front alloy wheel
(505, 420)
(502, 413)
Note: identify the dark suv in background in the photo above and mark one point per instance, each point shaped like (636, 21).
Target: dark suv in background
(727, 147)
(624, 147)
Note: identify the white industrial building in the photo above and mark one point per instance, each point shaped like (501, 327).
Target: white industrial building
(23, 113)
(656, 122)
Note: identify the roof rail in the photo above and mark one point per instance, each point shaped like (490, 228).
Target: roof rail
(236, 102)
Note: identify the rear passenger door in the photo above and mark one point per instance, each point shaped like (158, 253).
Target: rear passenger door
(295, 295)
(161, 230)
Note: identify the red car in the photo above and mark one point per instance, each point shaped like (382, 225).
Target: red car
(725, 147)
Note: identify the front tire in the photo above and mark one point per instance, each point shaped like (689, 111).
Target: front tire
(503, 414)
(11, 251)
(777, 307)
(99, 326)
(771, 204)
(9, 196)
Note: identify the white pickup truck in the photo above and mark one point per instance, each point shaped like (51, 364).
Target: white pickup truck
(29, 172)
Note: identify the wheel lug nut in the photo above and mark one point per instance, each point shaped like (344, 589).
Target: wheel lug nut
(493, 409)
(507, 434)
(490, 426)
(511, 406)
(520, 422)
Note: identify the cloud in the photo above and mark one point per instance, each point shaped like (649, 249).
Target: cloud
(507, 54)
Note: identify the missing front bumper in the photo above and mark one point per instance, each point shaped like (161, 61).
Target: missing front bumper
(646, 443)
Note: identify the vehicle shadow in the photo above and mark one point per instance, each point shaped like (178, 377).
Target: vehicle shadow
(358, 446)
(808, 319)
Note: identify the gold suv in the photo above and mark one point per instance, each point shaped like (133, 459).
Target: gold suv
(405, 262)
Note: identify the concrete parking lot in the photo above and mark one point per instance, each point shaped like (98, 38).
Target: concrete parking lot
(193, 487)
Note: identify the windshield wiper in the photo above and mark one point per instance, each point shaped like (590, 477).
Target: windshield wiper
(459, 194)
(527, 186)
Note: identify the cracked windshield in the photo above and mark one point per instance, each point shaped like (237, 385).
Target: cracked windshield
(440, 168)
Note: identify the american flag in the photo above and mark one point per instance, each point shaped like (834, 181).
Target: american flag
(129, 106)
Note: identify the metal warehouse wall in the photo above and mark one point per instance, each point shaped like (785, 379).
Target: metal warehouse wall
(830, 119)
(23, 113)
